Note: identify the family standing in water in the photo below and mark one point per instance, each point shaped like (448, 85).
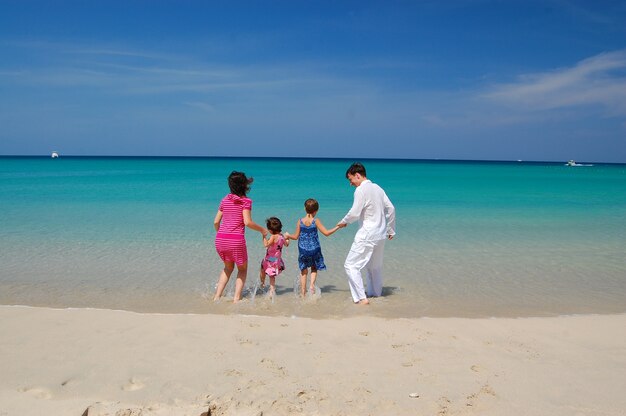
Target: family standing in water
(371, 207)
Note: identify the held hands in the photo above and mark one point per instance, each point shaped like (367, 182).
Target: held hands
(341, 225)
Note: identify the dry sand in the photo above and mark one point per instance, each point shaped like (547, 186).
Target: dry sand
(97, 362)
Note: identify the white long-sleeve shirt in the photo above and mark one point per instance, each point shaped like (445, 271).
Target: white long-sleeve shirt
(375, 212)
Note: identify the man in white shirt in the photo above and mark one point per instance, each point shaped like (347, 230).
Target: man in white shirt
(377, 221)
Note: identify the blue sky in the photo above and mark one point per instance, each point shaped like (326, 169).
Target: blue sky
(472, 79)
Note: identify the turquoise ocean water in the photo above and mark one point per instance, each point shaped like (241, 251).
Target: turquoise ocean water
(473, 238)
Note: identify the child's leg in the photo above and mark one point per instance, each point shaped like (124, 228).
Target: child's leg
(313, 277)
(242, 273)
(272, 284)
(229, 266)
(303, 274)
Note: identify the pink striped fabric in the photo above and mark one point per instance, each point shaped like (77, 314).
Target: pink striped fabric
(230, 242)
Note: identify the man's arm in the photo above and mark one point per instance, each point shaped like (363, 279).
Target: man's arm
(357, 207)
(390, 215)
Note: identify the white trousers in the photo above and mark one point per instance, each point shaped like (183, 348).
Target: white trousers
(366, 255)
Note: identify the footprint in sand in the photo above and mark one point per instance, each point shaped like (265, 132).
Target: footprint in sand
(133, 385)
(245, 342)
(269, 363)
(38, 392)
(444, 406)
(485, 390)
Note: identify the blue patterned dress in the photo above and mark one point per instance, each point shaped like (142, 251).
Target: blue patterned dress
(309, 249)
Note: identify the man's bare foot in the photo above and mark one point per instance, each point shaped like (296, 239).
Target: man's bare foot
(364, 302)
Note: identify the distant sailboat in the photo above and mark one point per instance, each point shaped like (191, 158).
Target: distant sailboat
(55, 155)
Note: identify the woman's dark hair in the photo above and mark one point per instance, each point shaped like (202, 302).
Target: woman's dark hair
(238, 183)
(273, 224)
(311, 206)
(356, 168)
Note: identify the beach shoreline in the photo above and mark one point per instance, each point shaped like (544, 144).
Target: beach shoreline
(105, 362)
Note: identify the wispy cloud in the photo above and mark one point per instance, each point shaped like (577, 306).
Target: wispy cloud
(596, 81)
(583, 11)
(135, 72)
(47, 47)
(116, 52)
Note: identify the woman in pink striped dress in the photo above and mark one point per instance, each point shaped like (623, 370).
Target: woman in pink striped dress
(233, 215)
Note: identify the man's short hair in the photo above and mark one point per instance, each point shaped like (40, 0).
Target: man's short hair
(356, 168)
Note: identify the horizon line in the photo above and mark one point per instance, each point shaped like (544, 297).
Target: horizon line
(305, 158)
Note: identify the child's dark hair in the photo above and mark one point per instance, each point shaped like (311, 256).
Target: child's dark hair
(238, 183)
(274, 225)
(355, 168)
(311, 206)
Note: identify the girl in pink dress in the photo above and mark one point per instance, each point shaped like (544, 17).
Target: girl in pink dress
(273, 262)
(233, 215)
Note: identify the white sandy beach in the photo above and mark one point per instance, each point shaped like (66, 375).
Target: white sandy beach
(100, 362)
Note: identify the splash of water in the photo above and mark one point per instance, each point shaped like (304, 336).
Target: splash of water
(255, 289)
(308, 295)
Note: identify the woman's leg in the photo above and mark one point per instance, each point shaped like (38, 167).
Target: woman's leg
(229, 266)
(242, 273)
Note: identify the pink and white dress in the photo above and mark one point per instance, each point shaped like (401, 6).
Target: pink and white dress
(273, 262)
(230, 241)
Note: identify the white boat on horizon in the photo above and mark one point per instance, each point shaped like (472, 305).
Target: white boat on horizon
(573, 163)
(54, 155)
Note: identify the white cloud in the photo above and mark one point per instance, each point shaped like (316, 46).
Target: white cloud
(599, 80)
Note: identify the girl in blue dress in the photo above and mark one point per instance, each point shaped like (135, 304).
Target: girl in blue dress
(309, 249)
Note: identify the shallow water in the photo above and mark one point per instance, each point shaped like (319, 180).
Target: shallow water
(473, 238)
